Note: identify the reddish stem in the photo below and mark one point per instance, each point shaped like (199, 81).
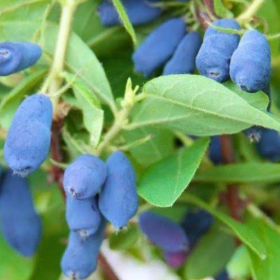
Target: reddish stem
(107, 269)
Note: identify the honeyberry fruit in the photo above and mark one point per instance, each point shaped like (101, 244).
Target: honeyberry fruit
(163, 232)
(215, 152)
(138, 11)
(156, 50)
(222, 276)
(183, 60)
(80, 258)
(84, 177)
(176, 259)
(214, 56)
(20, 224)
(17, 56)
(195, 224)
(83, 216)
(118, 200)
(28, 140)
(269, 144)
(250, 66)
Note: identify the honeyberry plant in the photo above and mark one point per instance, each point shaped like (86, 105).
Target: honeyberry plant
(145, 127)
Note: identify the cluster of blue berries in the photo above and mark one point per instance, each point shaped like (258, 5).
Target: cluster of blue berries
(96, 192)
(177, 240)
(21, 226)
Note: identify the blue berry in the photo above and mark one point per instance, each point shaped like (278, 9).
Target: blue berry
(84, 177)
(163, 232)
(222, 276)
(118, 200)
(138, 11)
(195, 224)
(28, 140)
(214, 56)
(20, 224)
(183, 60)
(83, 215)
(80, 258)
(176, 259)
(215, 152)
(269, 144)
(156, 50)
(17, 56)
(250, 65)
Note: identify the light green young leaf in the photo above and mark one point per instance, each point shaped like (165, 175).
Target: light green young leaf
(221, 10)
(163, 183)
(210, 255)
(11, 102)
(124, 18)
(253, 172)
(90, 105)
(245, 233)
(198, 106)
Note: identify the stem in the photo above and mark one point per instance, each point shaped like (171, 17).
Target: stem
(106, 268)
(251, 11)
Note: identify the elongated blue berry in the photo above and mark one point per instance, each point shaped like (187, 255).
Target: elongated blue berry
(118, 200)
(176, 259)
(183, 60)
(195, 224)
(269, 144)
(163, 232)
(215, 150)
(84, 177)
(222, 276)
(20, 224)
(138, 11)
(156, 49)
(83, 215)
(80, 258)
(28, 140)
(17, 56)
(214, 56)
(250, 65)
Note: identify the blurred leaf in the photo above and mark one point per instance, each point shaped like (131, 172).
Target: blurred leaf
(210, 255)
(269, 268)
(90, 105)
(245, 233)
(124, 239)
(221, 10)
(198, 106)
(163, 183)
(253, 172)
(125, 20)
(11, 102)
(158, 147)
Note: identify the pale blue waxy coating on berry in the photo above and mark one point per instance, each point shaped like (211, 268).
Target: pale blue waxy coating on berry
(215, 150)
(176, 259)
(84, 177)
(163, 232)
(159, 46)
(80, 258)
(269, 144)
(214, 56)
(83, 215)
(138, 11)
(118, 200)
(250, 66)
(195, 224)
(222, 276)
(28, 140)
(17, 56)
(20, 224)
(183, 60)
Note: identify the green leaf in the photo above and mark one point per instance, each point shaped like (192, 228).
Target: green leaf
(11, 102)
(124, 18)
(253, 172)
(221, 10)
(269, 268)
(158, 147)
(124, 239)
(93, 116)
(210, 255)
(198, 106)
(245, 233)
(163, 183)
